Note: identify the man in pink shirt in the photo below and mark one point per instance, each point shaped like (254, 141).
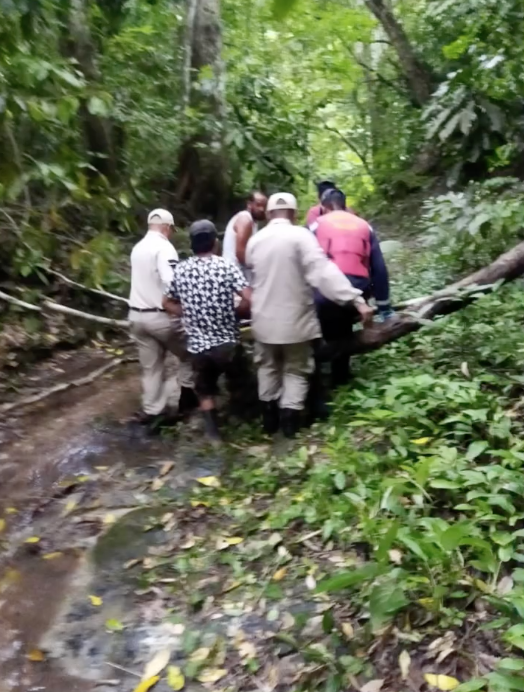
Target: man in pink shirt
(316, 211)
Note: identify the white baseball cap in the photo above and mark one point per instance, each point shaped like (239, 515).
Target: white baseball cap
(282, 200)
(161, 216)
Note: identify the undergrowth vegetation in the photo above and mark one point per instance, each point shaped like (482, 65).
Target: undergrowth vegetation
(402, 519)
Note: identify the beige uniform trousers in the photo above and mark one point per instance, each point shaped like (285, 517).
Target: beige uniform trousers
(155, 334)
(283, 373)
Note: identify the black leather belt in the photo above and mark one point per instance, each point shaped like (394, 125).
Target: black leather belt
(147, 309)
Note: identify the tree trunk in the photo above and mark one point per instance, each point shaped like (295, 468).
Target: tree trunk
(203, 187)
(418, 77)
(507, 267)
(98, 131)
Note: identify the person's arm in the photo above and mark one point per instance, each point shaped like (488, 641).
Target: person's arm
(321, 273)
(244, 230)
(171, 300)
(166, 259)
(379, 277)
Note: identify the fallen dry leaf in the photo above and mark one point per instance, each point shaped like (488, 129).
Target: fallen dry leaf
(372, 686)
(70, 506)
(247, 651)
(36, 656)
(157, 484)
(11, 510)
(200, 654)
(109, 519)
(280, 574)
(132, 563)
(288, 621)
(157, 664)
(209, 481)
(395, 556)
(504, 586)
(52, 556)
(146, 685)
(224, 542)
(199, 503)
(96, 601)
(33, 539)
(2, 525)
(175, 678)
(188, 543)
(211, 675)
(404, 662)
(441, 682)
(348, 630)
(421, 441)
(166, 467)
(311, 582)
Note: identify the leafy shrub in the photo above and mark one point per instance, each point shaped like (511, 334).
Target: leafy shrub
(470, 229)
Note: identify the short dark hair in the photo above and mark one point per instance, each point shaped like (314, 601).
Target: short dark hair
(323, 186)
(334, 198)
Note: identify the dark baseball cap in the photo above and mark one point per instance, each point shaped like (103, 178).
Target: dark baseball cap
(202, 227)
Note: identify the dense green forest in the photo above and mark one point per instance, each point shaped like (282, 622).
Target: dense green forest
(108, 107)
(384, 552)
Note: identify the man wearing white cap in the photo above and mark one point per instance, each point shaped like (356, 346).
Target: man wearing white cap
(287, 263)
(155, 332)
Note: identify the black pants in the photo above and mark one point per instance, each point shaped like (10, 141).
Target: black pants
(337, 322)
(232, 361)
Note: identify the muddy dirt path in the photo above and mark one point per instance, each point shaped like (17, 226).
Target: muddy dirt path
(47, 452)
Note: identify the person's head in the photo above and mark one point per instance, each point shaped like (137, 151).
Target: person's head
(162, 221)
(203, 237)
(323, 186)
(282, 205)
(333, 200)
(256, 205)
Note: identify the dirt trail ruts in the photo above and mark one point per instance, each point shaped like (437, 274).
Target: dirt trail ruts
(41, 447)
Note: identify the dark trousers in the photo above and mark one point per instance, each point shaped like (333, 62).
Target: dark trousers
(337, 322)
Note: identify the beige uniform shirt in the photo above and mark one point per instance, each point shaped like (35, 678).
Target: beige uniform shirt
(287, 262)
(151, 270)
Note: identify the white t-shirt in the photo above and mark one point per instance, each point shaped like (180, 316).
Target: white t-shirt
(229, 247)
(152, 262)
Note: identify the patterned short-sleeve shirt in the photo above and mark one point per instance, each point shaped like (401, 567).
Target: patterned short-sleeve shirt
(206, 287)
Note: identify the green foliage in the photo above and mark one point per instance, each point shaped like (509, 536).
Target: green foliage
(469, 229)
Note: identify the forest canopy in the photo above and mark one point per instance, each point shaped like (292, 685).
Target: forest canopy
(107, 107)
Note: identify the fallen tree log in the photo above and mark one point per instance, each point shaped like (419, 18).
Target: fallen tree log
(96, 291)
(62, 387)
(505, 268)
(49, 305)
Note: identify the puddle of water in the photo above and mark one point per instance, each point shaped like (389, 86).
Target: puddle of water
(28, 601)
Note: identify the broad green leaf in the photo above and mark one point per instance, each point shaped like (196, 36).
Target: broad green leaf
(281, 8)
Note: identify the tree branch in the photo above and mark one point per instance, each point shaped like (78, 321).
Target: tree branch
(56, 307)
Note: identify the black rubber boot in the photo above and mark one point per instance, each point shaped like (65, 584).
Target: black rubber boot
(340, 371)
(290, 422)
(188, 401)
(210, 419)
(270, 417)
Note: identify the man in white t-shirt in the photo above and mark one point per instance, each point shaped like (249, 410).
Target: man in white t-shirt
(240, 229)
(154, 331)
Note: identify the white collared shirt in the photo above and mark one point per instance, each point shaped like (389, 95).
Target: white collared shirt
(287, 263)
(152, 261)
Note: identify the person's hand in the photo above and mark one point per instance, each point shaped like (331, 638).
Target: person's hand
(386, 313)
(366, 313)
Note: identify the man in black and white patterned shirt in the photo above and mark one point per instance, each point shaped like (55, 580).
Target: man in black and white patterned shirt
(202, 292)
